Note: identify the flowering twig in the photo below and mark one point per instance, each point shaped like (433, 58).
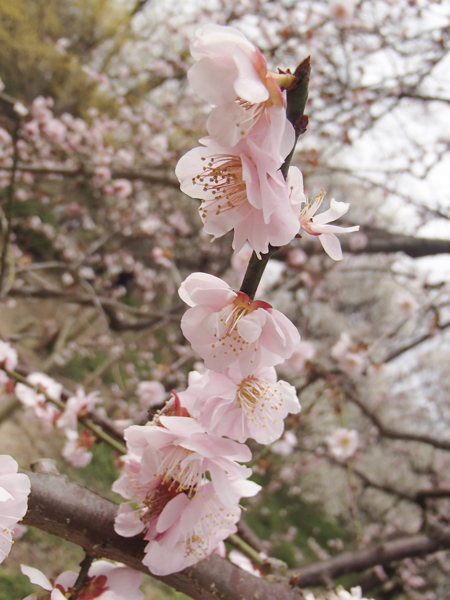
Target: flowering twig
(97, 431)
(295, 107)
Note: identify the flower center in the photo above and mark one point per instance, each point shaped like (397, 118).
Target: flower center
(182, 469)
(158, 498)
(230, 340)
(223, 178)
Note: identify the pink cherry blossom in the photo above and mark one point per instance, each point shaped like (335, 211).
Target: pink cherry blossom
(110, 581)
(319, 224)
(241, 188)
(179, 449)
(77, 406)
(225, 327)
(184, 516)
(231, 74)
(8, 356)
(304, 352)
(350, 357)
(14, 491)
(31, 398)
(181, 529)
(246, 407)
(76, 450)
(286, 445)
(343, 443)
(150, 393)
(189, 530)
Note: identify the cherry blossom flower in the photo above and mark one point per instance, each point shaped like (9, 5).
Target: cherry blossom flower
(8, 356)
(225, 327)
(14, 491)
(319, 224)
(342, 11)
(231, 74)
(349, 356)
(241, 188)
(76, 450)
(404, 304)
(111, 581)
(46, 412)
(189, 530)
(76, 407)
(286, 445)
(184, 515)
(343, 443)
(355, 593)
(304, 352)
(150, 393)
(246, 407)
(178, 448)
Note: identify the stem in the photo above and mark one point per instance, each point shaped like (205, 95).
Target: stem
(8, 211)
(253, 554)
(82, 575)
(255, 270)
(295, 108)
(97, 431)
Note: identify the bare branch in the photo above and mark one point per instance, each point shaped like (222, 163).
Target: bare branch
(360, 560)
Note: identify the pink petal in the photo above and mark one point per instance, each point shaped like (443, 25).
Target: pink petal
(250, 326)
(336, 210)
(331, 245)
(248, 84)
(37, 577)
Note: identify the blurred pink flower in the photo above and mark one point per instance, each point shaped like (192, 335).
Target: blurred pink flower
(225, 327)
(8, 356)
(14, 491)
(286, 445)
(304, 352)
(343, 443)
(76, 450)
(77, 406)
(150, 394)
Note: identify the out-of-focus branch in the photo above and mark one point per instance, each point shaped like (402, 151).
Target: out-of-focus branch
(155, 177)
(112, 308)
(74, 513)
(390, 432)
(360, 560)
(8, 211)
(380, 241)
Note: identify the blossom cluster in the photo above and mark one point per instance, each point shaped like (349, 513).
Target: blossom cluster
(182, 475)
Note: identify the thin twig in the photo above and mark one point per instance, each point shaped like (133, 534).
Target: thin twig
(8, 211)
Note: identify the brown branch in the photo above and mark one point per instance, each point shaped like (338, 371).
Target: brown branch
(381, 242)
(74, 513)
(112, 308)
(360, 560)
(131, 174)
(390, 432)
